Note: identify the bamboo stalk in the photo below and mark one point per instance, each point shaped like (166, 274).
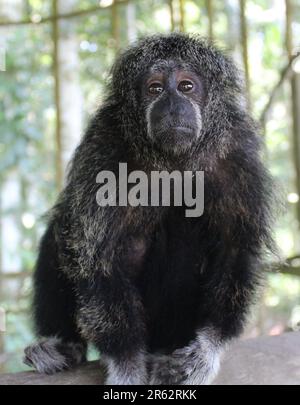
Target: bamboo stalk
(55, 67)
(131, 21)
(182, 16)
(115, 24)
(295, 90)
(244, 43)
(209, 11)
(172, 17)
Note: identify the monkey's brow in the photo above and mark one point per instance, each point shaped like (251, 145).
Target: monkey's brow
(163, 65)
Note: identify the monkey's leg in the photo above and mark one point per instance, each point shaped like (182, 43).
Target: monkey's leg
(127, 370)
(111, 317)
(59, 346)
(234, 278)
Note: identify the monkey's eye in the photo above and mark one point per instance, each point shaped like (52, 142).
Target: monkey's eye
(186, 86)
(155, 88)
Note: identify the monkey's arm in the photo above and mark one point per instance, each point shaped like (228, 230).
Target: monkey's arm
(110, 316)
(109, 309)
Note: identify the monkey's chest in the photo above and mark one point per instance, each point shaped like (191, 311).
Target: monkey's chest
(171, 286)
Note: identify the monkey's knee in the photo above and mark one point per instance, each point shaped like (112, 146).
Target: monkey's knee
(118, 334)
(51, 355)
(116, 330)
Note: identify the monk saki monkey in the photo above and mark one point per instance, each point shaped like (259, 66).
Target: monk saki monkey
(158, 293)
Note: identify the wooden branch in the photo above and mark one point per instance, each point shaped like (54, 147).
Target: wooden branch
(16, 275)
(293, 271)
(50, 18)
(289, 266)
(283, 76)
(268, 360)
(291, 259)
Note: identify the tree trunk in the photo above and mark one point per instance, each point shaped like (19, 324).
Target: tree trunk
(295, 91)
(67, 92)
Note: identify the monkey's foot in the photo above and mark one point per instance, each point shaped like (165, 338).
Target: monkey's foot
(182, 367)
(51, 355)
(164, 370)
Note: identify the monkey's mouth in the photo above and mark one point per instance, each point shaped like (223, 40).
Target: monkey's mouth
(175, 136)
(182, 129)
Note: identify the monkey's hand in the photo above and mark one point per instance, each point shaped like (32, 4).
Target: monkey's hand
(195, 364)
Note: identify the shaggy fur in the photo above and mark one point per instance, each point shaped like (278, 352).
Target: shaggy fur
(51, 355)
(190, 289)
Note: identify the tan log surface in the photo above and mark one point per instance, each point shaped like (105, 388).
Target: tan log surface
(264, 360)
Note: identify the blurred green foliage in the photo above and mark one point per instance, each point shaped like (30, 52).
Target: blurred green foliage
(27, 126)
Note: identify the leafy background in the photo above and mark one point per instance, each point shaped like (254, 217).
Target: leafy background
(54, 78)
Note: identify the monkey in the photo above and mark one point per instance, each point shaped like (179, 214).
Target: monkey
(159, 294)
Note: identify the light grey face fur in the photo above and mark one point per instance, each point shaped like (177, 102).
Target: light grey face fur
(148, 116)
(198, 118)
(173, 97)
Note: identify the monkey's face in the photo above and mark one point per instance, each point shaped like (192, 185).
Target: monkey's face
(173, 96)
